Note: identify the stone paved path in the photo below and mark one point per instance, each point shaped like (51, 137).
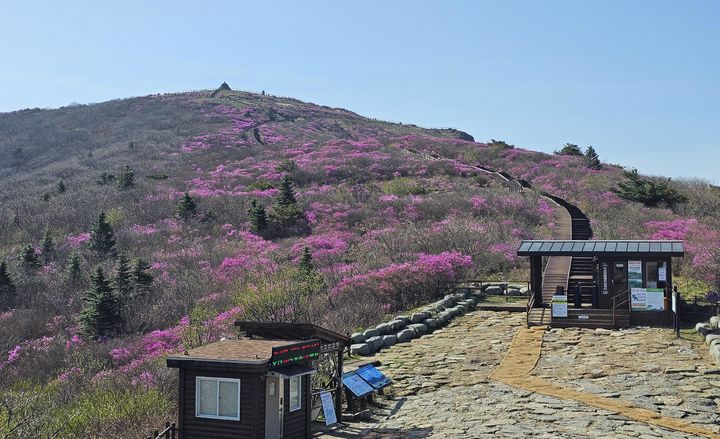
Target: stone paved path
(442, 387)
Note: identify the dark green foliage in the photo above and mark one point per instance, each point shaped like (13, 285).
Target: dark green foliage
(60, 187)
(570, 149)
(123, 282)
(186, 207)
(46, 196)
(47, 245)
(260, 185)
(500, 144)
(258, 218)
(28, 259)
(649, 192)
(131, 146)
(591, 159)
(306, 261)
(287, 165)
(101, 314)
(126, 179)
(103, 236)
(140, 276)
(73, 273)
(286, 196)
(7, 289)
(105, 178)
(157, 176)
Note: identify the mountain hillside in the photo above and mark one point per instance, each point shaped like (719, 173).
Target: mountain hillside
(138, 227)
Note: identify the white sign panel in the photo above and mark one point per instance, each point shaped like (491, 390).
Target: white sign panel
(328, 408)
(662, 274)
(647, 299)
(559, 306)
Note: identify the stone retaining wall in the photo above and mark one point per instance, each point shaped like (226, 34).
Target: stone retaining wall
(711, 332)
(404, 328)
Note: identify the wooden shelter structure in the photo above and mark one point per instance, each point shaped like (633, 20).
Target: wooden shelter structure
(626, 282)
(260, 385)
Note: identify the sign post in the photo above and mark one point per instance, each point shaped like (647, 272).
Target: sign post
(559, 306)
(328, 408)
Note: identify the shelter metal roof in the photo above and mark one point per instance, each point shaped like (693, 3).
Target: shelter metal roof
(642, 248)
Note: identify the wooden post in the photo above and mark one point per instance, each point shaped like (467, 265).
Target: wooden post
(339, 385)
(181, 402)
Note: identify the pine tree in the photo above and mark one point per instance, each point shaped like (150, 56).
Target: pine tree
(306, 261)
(591, 159)
(7, 289)
(47, 246)
(258, 218)
(126, 179)
(103, 236)
(123, 282)
(570, 149)
(60, 186)
(28, 259)
(131, 146)
(186, 207)
(140, 276)
(286, 197)
(73, 274)
(101, 315)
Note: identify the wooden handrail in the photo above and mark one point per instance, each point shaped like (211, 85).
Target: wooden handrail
(617, 305)
(530, 305)
(170, 432)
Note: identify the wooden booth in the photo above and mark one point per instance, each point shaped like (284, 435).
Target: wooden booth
(601, 283)
(261, 385)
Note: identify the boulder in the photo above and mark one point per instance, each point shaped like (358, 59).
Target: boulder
(360, 349)
(493, 290)
(389, 340)
(357, 337)
(396, 325)
(430, 323)
(371, 333)
(703, 328)
(524, 291)
(514, 292)
(715, 322)
(419, 328)
(405, 335)
(384, 329)
(405, 319)
(376, 343)
(417, 317)
(710, 337)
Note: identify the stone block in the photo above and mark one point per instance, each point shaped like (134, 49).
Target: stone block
(406, 335)
(419, 328)
(384, 329)
(710, 337)
(371, 333)
(389, 340)
(430, 323)
(357, 337)
(715, 322)
(493, 290)
(405, 319)
(376, 343)
(397, 325)
(360, 349)
(417, 317)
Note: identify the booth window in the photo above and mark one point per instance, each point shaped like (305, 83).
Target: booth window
(655, 274)
(295, 393)
(217, 398)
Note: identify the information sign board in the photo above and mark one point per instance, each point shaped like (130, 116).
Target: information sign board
(295, 353)
(647, 299)
(559, 306)
(358, 386)
(373, 376)
(635, 274)
(328, 408)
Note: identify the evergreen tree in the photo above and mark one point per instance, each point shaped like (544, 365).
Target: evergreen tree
(60, 186)
(186, 207)
(286, 197)
(47, 245)
(591, 159)
(258, 218)
(126, 179)
(131, 146)
(73, 273)
(123, 282)
(101, 315)
(103, 236)
(28, 258)
(46, 196)
(570, 149)
(140, 276)
(306, 261)
(7, 289)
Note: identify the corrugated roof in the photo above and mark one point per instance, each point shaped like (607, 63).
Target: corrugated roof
(244, 350)
(601, 248)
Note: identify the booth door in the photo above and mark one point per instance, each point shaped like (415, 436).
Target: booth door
(274, 405)
(619, 283)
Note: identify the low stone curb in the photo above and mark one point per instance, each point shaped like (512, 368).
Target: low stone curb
(711, 331)
(404, 328)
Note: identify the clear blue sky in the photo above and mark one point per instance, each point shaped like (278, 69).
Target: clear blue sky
(639, 80)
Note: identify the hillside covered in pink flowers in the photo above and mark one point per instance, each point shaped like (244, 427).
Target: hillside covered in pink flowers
(247, 206)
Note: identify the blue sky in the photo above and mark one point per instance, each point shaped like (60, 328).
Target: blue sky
(638, 80)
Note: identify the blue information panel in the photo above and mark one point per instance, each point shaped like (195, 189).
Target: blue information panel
(373, 377)
(356, 385)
